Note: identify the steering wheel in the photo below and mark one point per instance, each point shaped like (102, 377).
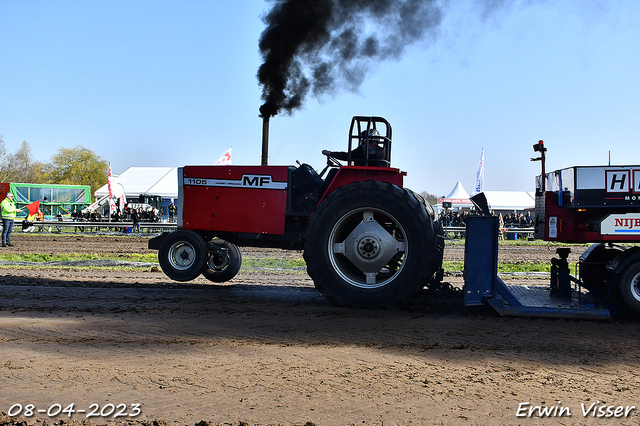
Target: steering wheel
(331, 162)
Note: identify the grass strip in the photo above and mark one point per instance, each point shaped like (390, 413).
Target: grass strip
(75, 268)
(267, 262)
(508, 267)
(247, 262)
(68, 257)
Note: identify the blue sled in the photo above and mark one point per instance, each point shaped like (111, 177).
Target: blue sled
(483, 286)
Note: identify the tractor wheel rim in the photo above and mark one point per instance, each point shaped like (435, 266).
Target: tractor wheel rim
(363, 252)
(635, 287)
(218, 262)
(182, 255)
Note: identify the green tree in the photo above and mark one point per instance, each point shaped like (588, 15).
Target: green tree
(77, 166)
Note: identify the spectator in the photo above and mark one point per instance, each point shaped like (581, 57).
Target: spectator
(9, 210)
(40, 218)
(172, 211)
(135, 217)
(528, 219)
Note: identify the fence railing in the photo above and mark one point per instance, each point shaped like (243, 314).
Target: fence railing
(124, 227)
(450, 232)
(511, 233)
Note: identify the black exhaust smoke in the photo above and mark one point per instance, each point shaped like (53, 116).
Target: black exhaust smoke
(320, 46)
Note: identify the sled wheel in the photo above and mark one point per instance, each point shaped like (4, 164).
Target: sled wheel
(182, 255)
(223, 261)
(370, 244)
(630, 286)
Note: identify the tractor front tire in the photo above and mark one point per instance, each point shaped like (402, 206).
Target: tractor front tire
(182, 255)
(223, 262)
(630, 286)
(371, 244)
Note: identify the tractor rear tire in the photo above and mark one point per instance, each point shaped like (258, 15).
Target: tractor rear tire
(630, 286)
(223, 261)
(371, 244)
(182, 255)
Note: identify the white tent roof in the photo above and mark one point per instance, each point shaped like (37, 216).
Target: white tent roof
(167, 187)
(510, 200)
(458, 197)
(458, 192)
(497, 200)
(162, 181)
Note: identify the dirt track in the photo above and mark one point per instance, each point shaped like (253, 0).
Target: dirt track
(266, 348)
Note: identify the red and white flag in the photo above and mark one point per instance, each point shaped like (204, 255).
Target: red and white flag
(123, 201)
(224, 159)
(109, 181)
(112, 204)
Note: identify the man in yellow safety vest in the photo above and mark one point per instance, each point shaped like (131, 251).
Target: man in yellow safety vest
(9, 210)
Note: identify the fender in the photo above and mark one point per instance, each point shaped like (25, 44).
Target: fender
(623, 260)
(349, 174)
(599, 247)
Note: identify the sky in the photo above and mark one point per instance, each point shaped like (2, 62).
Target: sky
(168, 83)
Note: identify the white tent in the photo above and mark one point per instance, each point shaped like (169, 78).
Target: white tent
(162, 181)
(458, 197)
(510, 200)
(497, 200)
(167, 186)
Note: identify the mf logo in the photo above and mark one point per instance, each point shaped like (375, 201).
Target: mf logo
(245, 181)
(618, 180)
(256, 180)
(262, 181)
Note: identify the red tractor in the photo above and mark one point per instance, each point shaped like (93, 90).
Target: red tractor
(600, 205)
(367, 240)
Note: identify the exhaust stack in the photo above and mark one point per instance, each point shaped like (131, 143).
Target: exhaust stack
(265, 139)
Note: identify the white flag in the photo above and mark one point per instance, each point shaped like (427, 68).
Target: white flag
(479, 187)
(224, 159)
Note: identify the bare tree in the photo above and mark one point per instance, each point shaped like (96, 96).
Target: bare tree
(21, 166)
(3, 161)
(430, 198)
